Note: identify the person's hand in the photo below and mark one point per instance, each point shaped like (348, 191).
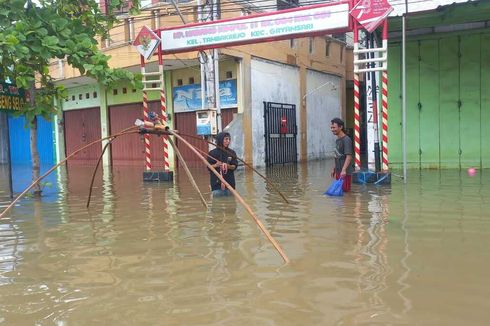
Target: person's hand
(217, 164)
(224, 167)
(343, 173)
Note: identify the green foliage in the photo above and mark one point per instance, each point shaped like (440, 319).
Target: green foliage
(32, 34)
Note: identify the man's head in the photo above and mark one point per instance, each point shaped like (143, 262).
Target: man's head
(223, 139)
(337, 126)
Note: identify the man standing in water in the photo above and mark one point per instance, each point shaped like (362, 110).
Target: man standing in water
(343, 154)
(224, 160)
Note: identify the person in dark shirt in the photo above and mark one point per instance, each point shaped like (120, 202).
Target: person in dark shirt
(343, 154)
(223, 161)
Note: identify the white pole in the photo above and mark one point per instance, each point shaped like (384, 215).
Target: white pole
(404, 100)
(216, 90)
(216, 72)
(202, 57)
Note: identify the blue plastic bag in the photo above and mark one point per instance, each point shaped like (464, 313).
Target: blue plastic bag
(336, 188)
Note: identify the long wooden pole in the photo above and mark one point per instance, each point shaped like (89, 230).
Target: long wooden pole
(237, 195)
(187, 171)
(12, 204)
(241, 160)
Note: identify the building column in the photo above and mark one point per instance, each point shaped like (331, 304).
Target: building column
(104, 123)
(244, 85)
(4, 138)
(167, 75)
(59, 131)
(303, 116)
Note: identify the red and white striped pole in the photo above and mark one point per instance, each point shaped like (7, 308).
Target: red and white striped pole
(357, 115)
(145, 115)
(384, 103)
(166, 162)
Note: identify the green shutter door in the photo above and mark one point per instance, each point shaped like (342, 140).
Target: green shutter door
(413, 137)
(448, 101)
(485, 100)
(470, 100)
(429, 100)
(394, 105)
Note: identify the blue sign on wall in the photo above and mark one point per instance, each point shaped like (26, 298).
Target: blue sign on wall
(188, 97)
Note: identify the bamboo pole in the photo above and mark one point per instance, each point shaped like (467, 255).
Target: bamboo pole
(99, 160)
(12, 204)
(245, 163)
(237, 195)
(95, 171)
(187, 171)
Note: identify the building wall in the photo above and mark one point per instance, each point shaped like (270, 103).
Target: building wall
(272, 82)
(448, 101)
(322, 105)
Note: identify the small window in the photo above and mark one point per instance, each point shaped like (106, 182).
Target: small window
(73, 97)
(179, 82)
(125, 90)
(153, 85)
(87, 95)
(134, 90)
(94, 95)
(80, 96)
(191, 80)
(311, 44)
(67, 99)
(229, 74)
(114, 91)
(292, 43)
(341, 54)
(327, 48)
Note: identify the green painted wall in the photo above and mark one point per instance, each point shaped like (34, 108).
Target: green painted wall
(448, 101)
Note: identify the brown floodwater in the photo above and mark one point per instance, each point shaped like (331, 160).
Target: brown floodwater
(150, 254)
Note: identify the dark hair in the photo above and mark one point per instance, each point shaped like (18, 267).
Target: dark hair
(339, 122)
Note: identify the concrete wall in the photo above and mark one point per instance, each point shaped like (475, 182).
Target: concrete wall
(271, 82)
(4, 138)
(322, 104)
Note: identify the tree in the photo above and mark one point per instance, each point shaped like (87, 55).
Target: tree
(33, 33)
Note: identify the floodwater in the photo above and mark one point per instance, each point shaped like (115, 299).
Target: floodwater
(150, 254)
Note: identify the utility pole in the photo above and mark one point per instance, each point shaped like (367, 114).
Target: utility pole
(217, 102)
(210, 65)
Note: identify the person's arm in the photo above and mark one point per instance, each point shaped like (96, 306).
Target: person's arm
(232, 162)
(348, 160)
(215, 163)
(348, 155)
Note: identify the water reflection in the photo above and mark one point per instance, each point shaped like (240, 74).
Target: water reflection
(150, 253)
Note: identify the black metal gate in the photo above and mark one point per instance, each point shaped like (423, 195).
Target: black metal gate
(280, 133)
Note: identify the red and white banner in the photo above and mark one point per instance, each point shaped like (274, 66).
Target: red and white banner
(371, 13)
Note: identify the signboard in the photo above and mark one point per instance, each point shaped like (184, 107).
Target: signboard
(11, 97)
(370, 13)
(372, 119)
(311, 20)
(188, 97)
(146, 42)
